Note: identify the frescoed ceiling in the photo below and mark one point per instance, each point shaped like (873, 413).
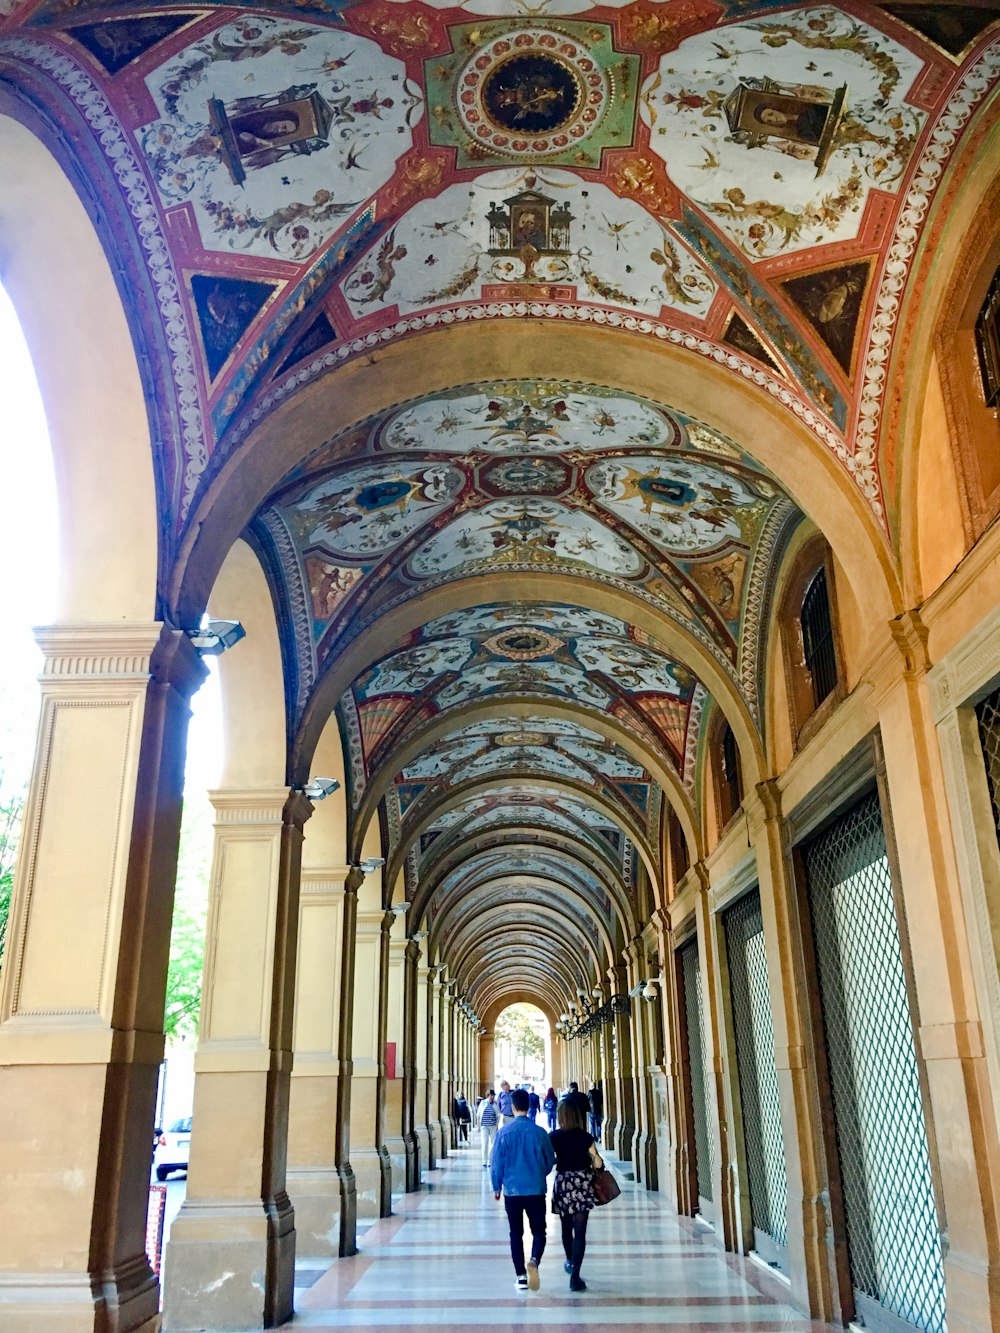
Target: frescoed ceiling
(521, 597)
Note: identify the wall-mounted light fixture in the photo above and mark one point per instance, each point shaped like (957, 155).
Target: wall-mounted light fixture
(213, 637)
(369, 864)
(318, 789)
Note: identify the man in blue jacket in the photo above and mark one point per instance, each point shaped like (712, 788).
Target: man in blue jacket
(522, 1158)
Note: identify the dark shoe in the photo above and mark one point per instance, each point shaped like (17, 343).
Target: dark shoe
(577, 1283)
(567, 1265)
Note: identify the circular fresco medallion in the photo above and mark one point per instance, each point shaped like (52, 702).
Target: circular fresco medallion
(522, 644)
(530, 93)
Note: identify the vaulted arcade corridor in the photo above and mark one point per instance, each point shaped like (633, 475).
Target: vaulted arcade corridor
(443, 1255)
(574, 429)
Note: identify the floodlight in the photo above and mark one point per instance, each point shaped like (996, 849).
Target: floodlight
(318, 789)
(213, 637)
(369, 864)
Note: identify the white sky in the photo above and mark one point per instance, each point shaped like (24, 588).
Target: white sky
(29, 533)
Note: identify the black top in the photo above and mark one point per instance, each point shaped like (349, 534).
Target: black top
(572, 1149)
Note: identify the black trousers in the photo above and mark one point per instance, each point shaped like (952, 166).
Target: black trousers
(574, 1238)
(517, 1205)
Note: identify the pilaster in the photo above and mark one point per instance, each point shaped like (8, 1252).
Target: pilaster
(81, 1007)
(237, 1222)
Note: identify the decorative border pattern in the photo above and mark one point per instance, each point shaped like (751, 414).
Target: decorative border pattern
(108, 131)
(298, 607)
(692, 342)
(898, 261)
(780, 521)
(698, 700)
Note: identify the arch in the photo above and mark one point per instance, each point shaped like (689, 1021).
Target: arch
(462, 716)
(442, 358)
(962, 237)
(383, 635)
(62, 287)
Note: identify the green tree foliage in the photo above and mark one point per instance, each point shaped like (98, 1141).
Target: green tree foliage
(11, 805)
(187, 940)
(518, 1026)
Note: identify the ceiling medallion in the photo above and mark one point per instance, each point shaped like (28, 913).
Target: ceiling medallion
(521, 739)
(522, 644)
(559, 94)
(526, 475)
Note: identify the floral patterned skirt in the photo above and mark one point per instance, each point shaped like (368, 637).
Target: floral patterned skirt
(573, 1192)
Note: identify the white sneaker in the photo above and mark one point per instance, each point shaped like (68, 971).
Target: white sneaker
(533, 1279)
(521, 1282)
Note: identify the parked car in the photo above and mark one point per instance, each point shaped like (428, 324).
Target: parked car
(173, 1148)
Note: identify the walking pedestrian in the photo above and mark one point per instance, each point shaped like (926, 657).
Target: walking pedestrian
(463, 1117)
(579, 1100)
(489, 1123)
(534, 1104)
(522, 1157)
(573, 1191)
(549, 1106)
(504, 1104)
(596, 1096)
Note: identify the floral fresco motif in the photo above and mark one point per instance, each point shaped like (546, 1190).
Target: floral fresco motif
(768, 197)
(368, 510)
(230, 105)
(525, 529)
(448, 249)
(527, 9)
(530, 415)
(684, 507)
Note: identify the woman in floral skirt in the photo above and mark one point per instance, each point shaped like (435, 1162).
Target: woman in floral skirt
(573, 1192)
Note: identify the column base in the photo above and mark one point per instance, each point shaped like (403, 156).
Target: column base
(372, 1181)
(412, 1147)
(447, 1138)
(644, 1159)
(424, 1146)
(65, 1303)
(434, 1134)
(348, 1213)
(395, 1149)
(316, 1196)
(624, 1134)
(229, 1266)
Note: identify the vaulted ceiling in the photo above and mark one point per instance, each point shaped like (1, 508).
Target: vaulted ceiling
(518, 594)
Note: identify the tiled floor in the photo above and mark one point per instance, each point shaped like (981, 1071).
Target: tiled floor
(443, 1263)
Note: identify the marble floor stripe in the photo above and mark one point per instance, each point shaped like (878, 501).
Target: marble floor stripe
(442, 1262)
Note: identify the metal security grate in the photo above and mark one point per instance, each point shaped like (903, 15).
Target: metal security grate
(751, 1006)
(988, 716)
(893, 1241)
(817, 638)
(696, 1060)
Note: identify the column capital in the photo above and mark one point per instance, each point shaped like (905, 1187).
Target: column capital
(119, 652)
(388, 919)
(702, 878)
(297, 809)
(355, 879)
(249, 805)
(413, 951)
(910, 636)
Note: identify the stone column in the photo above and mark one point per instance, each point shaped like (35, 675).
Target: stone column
(345, 1056)
(366, 1161)
(411, 1024)
(670, 1116)
(633, 1072)
(610, 1133)
(313, 1180)
(949, 1040)
(425, 1016)
(81, 1009)
(395, 1027)
(431, 1124)
(621, 1028)
(382, 1027)
(230, 1261)
(487, 1060)
(445, 1080)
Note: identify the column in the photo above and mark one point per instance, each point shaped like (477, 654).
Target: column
(395, 1144)
(487, 1061)
(950, 1049)
(366, 1162)
(610, 1133)
(313, 1179)
(230, 1261)
(412, 990)
(430, 1125)
(81, 1008)
(348, 1240)
(382, 1028)
(669, 1096)
(622, 1058)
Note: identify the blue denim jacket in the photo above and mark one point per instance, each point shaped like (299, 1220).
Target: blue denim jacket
(521, 1159)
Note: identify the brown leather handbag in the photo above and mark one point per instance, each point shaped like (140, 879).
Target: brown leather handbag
(605, 1186)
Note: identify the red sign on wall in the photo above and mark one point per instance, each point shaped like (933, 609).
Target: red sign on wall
(390, 1059)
